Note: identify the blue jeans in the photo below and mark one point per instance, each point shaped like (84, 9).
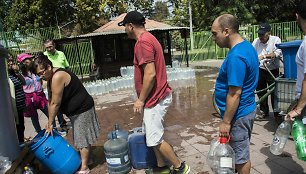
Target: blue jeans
(36, 124)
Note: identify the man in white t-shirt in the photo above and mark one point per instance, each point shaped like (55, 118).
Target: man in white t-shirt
(269, 54)
(301, 64)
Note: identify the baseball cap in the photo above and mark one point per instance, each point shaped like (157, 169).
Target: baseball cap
(23, 56)
(133, 17)
(263, 28)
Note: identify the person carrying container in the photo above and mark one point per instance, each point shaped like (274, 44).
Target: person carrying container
(265, 46)
(234, 90)
(153, 91)
(68, 95)
(301, 65)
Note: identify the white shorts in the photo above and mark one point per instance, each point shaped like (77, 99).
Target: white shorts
(153, 119)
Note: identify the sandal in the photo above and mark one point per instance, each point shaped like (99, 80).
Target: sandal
(83, 172)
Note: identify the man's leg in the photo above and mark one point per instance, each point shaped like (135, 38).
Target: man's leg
(244, 168)
(241, 131)
(262, 84)
(165, 151)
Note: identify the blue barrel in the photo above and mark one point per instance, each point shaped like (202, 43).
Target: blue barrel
(289, 50)
(142, 156)
(116, 154)
(55, 153)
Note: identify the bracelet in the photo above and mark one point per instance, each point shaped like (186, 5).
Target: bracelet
(296, 112)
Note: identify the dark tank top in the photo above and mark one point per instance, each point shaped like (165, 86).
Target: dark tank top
(76, 99)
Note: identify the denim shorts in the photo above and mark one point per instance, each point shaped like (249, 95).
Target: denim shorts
(153, 119)
(241, 130)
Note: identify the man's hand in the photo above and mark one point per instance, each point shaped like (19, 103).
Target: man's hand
(291, 115)
(138, 106)
(224, 129)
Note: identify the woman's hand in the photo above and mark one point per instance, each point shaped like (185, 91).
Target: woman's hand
(49, 128)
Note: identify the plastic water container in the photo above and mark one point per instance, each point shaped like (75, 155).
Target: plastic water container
(55, 153)
(119, 132)
(210, 156)
(142, 156)
(289, 50)
(299, 136)
(280, 138)
(224, 157)
(116, 153)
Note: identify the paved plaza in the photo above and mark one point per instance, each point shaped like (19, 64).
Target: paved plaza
(191, 124)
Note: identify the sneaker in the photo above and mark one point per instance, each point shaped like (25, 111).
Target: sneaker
(185, 170)
(159, 170)
(62, 133)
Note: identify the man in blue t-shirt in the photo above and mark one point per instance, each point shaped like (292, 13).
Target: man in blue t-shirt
(235, 86)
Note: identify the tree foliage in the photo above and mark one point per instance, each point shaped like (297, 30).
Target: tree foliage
(161, 11)
(247, 12)
(83, 16)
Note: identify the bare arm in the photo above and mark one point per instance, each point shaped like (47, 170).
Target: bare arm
(59, 80)
(301, 103)
(148, 83)
(232, 103)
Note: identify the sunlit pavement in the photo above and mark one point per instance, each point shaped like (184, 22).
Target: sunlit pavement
(191, 124)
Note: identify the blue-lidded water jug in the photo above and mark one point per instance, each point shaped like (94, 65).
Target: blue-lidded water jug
(55, 153)
(116, 154)
(119, 132)
(142, 156)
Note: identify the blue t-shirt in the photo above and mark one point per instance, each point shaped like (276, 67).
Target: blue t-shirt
(239, 69)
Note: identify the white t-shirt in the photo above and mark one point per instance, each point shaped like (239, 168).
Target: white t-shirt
(301, 66)
(267, 48)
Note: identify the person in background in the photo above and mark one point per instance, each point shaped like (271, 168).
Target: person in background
(58, 60)
(234, 89)
(18, 82)
(153, 91)
(35, 96)
(68, 95)
(95, 72)
(301, 65)
(265, 46)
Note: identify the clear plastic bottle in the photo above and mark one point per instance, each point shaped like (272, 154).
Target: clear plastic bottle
(280, 138)
(5, 164)
(210, 156)
(224, 158)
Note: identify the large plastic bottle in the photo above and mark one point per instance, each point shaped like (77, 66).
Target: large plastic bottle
(119, 132)
(5, 164)
(299, 136)
(116, 154)
(280, 138)
(210, 156)
(224, 157)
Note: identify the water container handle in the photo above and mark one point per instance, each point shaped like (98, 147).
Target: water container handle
(44, 138)
(137, 129)
(48, 151)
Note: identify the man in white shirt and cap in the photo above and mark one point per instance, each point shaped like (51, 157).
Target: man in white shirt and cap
(265, 46)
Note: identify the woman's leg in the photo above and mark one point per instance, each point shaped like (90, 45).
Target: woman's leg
(84, 157)
(35, 123)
